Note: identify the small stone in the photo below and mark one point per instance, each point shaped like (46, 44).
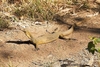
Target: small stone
(56, 64)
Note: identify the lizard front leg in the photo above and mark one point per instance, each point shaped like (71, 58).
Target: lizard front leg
(36, 47)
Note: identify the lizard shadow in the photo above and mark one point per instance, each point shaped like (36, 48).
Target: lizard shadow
(22, 42)
(73, 39)
(89, 29)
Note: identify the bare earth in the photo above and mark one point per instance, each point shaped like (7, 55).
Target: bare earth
(20, 53)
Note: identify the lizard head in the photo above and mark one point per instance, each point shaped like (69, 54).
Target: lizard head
(27, 33)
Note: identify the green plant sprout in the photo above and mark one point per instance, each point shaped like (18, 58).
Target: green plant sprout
(92, 45)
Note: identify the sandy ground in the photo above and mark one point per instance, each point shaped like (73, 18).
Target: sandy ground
(20, 53)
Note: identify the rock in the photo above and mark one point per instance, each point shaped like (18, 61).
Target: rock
(98, 1)
(56, 64)
(91, 61)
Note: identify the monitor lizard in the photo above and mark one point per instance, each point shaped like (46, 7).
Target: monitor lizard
(48, 37)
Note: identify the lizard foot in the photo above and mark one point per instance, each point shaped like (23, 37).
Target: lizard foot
(36, 49)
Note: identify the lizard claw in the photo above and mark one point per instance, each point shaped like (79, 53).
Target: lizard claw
(36, 49)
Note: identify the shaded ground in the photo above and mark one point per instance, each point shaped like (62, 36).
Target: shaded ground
(22, 54)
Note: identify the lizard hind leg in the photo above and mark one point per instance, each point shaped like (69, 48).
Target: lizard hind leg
(67, 37)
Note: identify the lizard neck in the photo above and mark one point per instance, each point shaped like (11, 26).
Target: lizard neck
(29, 35)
